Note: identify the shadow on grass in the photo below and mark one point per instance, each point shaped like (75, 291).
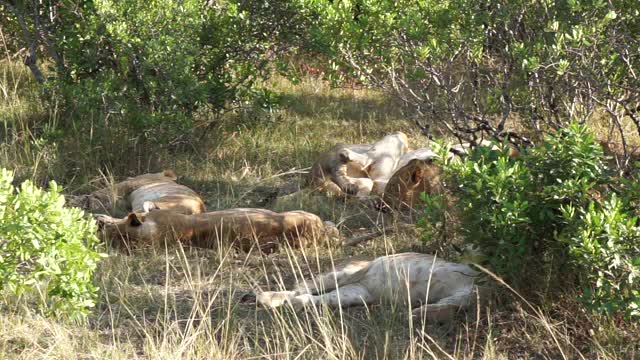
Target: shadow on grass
(343, 107)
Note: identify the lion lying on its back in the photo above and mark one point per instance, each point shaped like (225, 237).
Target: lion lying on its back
(386, 168)
(157, 190)
(359, 169)
(442, 288)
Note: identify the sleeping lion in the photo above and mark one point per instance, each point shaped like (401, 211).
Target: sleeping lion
(157, 189)
(429, 285)
(239, 227)
(359, 169)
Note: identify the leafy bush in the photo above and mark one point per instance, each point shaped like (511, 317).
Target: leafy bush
(469, 64)
(435, 220)
(47, 252)
(604, 243)
(472, 64)
(496, 208)
(548, 211)
(154, 66)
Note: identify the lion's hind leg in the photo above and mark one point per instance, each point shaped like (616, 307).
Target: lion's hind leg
(348, 295)
(343, 296)
(353, 272)
(446, 308)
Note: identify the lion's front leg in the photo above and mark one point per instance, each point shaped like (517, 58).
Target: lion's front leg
(275, 299)
(360, 186)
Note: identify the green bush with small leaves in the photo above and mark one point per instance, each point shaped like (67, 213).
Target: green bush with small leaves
(159, 68)
(604, 243)
(48, 252)
(549, 211)
(496, 208)
(462, 63)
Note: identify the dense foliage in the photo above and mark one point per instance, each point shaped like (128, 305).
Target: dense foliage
(152, 65)
(474, 65)
(604, 241)
(48, 252)
(463, 65)
(547, 212)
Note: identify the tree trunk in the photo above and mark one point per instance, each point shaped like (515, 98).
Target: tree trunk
(30, 40)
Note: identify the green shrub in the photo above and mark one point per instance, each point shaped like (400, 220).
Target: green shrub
(48, 252)
(604, 243)
(549, 212)
(461, 62)
(154, 67)
(434, 221)
(495, 205)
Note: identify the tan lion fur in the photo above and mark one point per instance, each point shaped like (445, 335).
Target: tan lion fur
(157, 190)
(407, 183)
(241, 227)
(441, 288)
(359, 169)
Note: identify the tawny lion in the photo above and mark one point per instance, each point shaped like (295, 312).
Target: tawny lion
(359, 169)
(157, 190)
(240, 227)
(440, 288)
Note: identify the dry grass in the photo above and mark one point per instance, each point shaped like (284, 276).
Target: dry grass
(185, 303)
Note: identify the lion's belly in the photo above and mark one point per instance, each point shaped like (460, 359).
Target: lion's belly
(239, 223)
(382, 168)
(156, 191)
(419, 154)
(416, 277)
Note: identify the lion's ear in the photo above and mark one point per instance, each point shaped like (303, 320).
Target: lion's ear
(170, 173)
(148, 206)
(133, 220)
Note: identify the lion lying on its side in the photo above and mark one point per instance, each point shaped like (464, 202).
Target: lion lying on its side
(361, 168)
(158, 190)
(442, 288)
(240, 227)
